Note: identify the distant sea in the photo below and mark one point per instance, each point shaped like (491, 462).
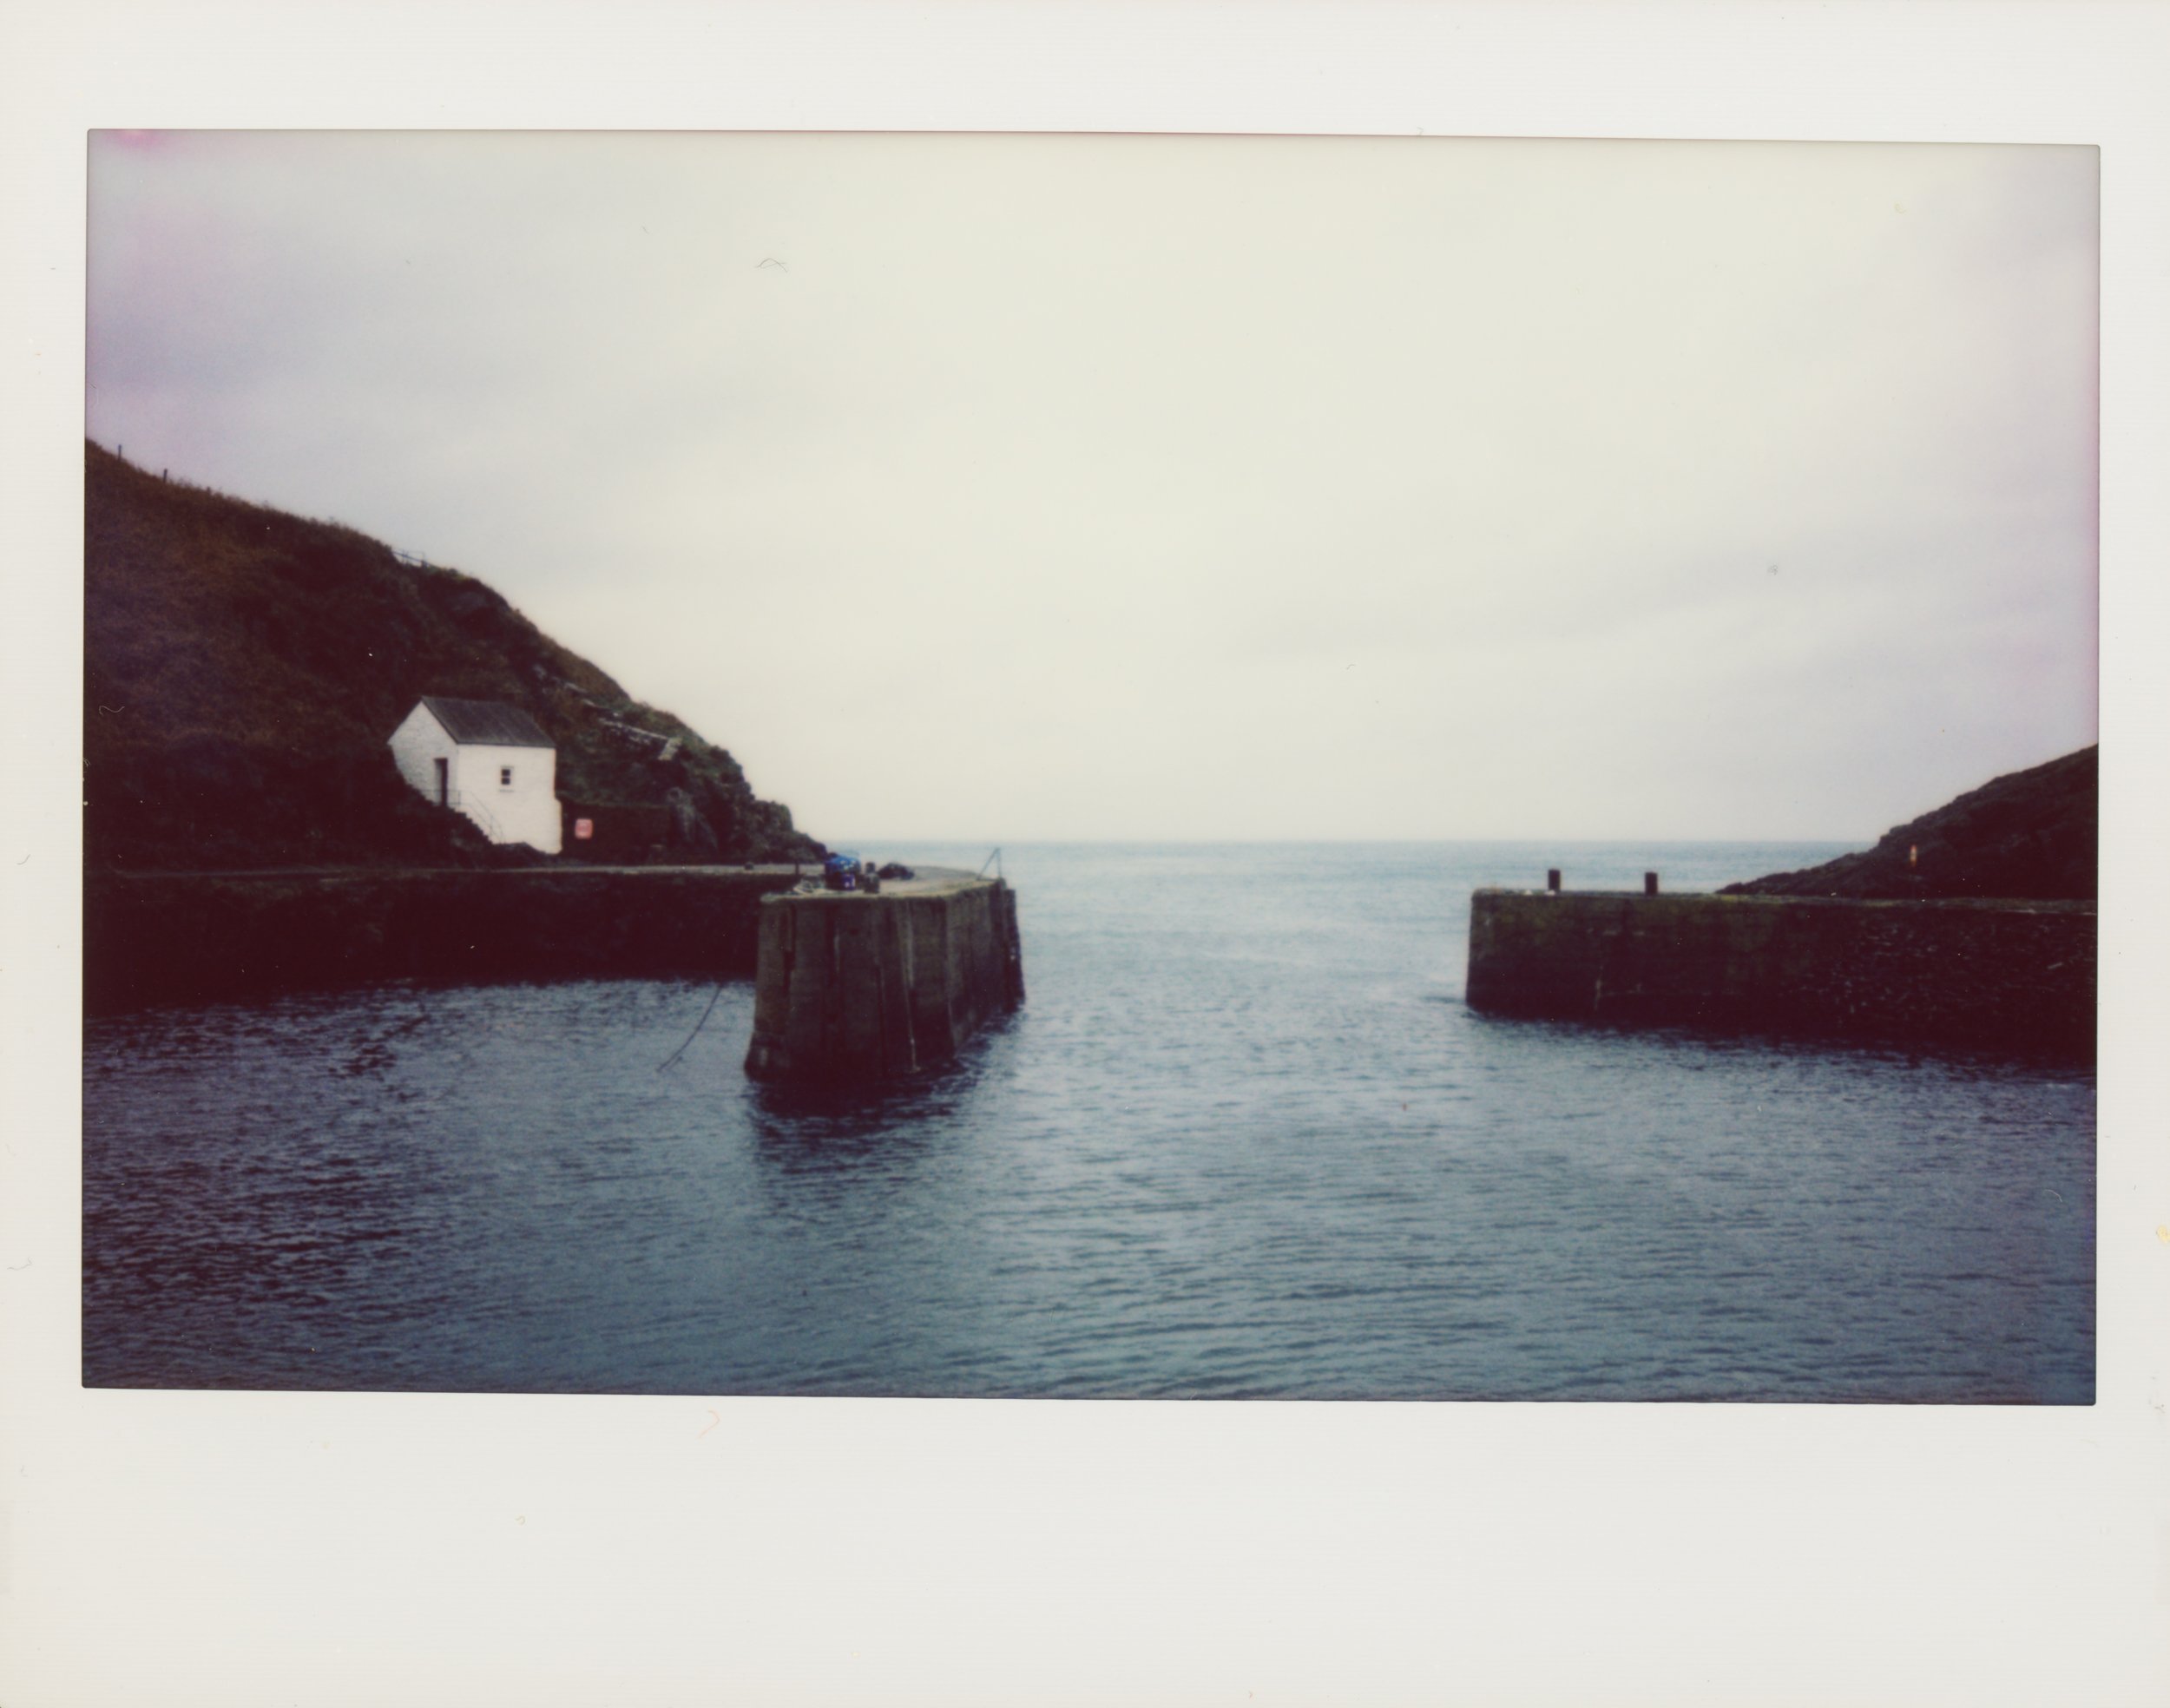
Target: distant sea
(1245, 1140)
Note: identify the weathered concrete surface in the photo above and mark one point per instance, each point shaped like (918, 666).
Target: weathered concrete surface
(196, 938)
(857, 987)
(2009, 977)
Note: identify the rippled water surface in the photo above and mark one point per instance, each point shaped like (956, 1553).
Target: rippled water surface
(1244, 1140)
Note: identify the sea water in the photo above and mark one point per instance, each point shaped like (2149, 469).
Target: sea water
(1244, 1139)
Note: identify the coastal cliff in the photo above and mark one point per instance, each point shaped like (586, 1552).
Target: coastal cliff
(243, 668)
(2026, 836)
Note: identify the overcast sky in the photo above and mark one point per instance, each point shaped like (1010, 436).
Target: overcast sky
(1009, 487)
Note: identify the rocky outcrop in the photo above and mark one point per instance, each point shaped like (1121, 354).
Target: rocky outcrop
(690, 833)
(2030, 835)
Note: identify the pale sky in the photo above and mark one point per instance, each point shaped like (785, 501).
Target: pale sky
(1016, 487)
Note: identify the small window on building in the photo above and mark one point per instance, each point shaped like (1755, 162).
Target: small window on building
(505, 777)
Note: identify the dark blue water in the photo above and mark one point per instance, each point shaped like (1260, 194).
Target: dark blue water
(1245, 1140)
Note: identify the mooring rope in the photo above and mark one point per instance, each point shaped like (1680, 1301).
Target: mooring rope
(713, 998)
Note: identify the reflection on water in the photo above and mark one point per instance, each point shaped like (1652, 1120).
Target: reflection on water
(1246, 1139)
(812, 1117)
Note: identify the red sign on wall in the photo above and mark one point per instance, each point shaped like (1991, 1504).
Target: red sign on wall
(583, 830)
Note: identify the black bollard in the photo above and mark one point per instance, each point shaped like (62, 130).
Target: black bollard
(1649, 883)
(1552, 880)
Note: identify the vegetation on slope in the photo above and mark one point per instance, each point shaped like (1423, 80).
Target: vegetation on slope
(244, 668)
(2030, 835)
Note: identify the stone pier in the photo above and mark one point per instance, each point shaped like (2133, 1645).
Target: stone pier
(855, 988)
(193, 938)
(2008, 976)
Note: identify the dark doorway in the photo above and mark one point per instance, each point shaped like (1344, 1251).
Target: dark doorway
(444, 783)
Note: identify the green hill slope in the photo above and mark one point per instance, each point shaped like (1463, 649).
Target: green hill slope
(2028, 835)
(243, 669)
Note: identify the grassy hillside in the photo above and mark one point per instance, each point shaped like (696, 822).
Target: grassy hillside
(244, 668)
(2030, 835)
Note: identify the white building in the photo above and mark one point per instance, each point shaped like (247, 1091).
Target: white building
(487, 759)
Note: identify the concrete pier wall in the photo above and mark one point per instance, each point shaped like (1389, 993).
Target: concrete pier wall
(196, 938)
(858, 987)
(2009, 977)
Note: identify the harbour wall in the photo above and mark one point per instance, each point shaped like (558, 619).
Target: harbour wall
(861, 988)
(199, 937)
(2013, 977)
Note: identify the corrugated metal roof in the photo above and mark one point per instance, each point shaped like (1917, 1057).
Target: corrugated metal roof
(489, 723)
